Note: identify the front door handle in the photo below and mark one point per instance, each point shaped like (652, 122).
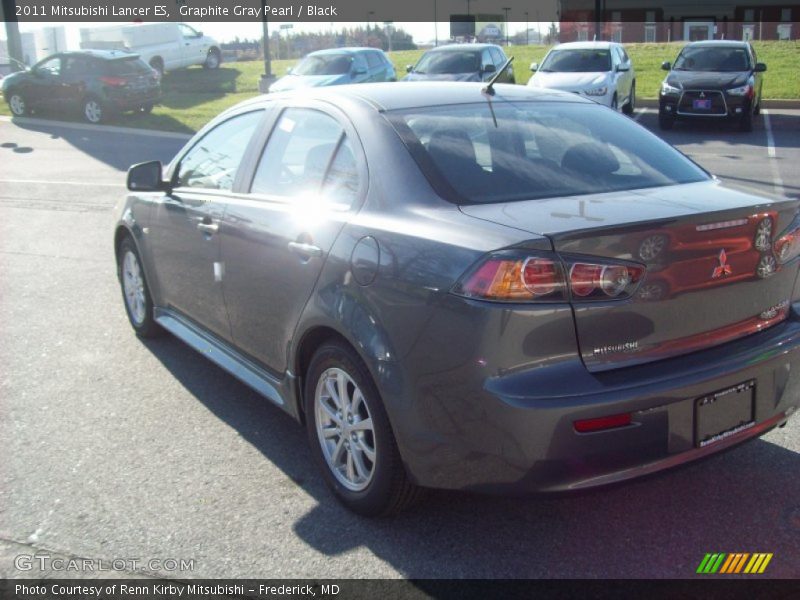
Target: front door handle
(208, 227)
(305, 250)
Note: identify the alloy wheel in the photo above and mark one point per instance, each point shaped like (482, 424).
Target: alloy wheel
(133, 286)
(93, 111)
(17, 105)
(345, 429)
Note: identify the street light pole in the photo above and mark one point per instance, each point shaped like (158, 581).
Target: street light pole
(506, 10)
(267, 77)
(435, 25)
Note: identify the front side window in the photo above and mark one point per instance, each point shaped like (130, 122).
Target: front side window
(307, 156)
(531, 150)
(50, 67)
(212, 162)
(704, 58)
(76, 66)
(577, 61)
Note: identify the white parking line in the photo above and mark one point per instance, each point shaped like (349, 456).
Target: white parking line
(770, 137)
(639, 114)
(777, 181)
(98, 183)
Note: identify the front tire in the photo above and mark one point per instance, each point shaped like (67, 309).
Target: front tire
(135, 291)
(18, 105)
(746, 122)
(630, 105)
(351, 437)
(665, 121)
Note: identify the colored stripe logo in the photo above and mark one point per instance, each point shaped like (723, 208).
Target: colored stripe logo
(733, 563)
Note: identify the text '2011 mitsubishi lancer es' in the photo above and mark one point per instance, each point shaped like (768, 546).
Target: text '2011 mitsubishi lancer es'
(462, 286)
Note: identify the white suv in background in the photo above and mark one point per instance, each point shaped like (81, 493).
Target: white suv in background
(601, 71)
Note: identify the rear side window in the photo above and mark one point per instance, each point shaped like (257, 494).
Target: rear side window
(374, 60)
(307, 156)
(499, 58)
(78, 66)
(127, 66)
(477, 153)
(212, 162)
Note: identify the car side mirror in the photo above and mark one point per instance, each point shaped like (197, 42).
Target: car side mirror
(534, 67)
(409, 68)
(666, 65)
(623, 68)
(146, 177)
(489, 68)
(760, 67)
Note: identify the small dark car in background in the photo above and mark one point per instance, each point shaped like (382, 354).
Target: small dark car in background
(461, 62)
(712, 79)
(99, 83)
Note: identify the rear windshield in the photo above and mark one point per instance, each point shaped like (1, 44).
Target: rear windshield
(127, 66)
(577, 61)
(503, 151)
(324, 64)
(449, 62)
(699, 58)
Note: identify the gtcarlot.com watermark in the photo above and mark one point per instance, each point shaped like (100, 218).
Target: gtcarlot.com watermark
(44, 562)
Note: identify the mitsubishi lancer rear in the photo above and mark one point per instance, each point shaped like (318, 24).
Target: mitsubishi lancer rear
(644, 317)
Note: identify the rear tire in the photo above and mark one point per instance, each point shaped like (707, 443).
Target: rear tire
(351, 437)
(213, 59)
(94, 111)
(135, 291)
(158, 65)
(630, 105)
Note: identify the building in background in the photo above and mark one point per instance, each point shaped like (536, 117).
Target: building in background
(629, 21)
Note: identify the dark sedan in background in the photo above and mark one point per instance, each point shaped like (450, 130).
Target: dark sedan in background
(98, 83)
(461, 62)
(712, 79)
(441, 281)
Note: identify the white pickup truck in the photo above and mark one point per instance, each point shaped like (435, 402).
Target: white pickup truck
(164, 46)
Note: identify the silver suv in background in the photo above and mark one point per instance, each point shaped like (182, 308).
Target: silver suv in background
(601, 71)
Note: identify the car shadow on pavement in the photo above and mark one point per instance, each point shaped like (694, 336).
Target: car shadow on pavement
(744, 500)
(104, 145)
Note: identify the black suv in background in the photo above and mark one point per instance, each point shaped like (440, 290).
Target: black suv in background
(98, 82)
(714, 79)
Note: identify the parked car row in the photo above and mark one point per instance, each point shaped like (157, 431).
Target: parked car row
(709, 79)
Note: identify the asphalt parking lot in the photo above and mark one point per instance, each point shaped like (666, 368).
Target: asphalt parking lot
(113, 447)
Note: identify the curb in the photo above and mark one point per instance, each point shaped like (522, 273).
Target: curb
(22, 121)
(773, 104)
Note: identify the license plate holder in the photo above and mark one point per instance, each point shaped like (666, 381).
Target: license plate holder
(723, 413)
(702, 104)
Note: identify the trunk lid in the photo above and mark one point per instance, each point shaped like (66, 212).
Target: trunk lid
(711, 272)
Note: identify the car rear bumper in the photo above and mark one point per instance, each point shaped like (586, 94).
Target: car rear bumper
(134, 101)
(515, 433)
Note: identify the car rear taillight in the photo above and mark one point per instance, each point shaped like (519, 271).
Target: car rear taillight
(787, 246)
(114, 81)
(515, 277)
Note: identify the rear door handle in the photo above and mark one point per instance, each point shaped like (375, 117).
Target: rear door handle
(208, 227)
(305, 250)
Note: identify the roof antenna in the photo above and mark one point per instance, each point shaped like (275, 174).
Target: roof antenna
(489, 89)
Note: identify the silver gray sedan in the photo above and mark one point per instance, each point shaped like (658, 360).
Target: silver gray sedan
(500, 289)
